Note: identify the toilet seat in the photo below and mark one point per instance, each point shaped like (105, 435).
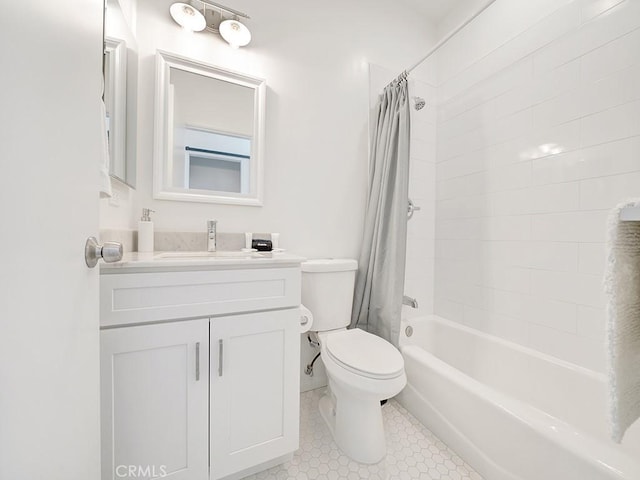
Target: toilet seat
(364, 354)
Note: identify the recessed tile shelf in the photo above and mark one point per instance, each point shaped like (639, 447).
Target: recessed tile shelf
(630, 214)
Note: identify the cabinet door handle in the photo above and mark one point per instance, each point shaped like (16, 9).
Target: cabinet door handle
(197, 361)
(220, 356)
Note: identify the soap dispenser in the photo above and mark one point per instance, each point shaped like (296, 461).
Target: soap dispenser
(145, 231)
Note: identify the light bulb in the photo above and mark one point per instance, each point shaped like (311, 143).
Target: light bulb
(235, 33)
(187, 17)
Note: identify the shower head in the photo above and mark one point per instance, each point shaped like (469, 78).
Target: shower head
(419, 103)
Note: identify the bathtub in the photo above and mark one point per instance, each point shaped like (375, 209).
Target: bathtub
(511, 412)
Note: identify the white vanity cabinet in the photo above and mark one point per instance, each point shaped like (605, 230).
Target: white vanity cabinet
(199, 371)
(155, 400)
(254, 389)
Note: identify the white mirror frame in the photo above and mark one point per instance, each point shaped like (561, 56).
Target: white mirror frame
(163, 144)
(117, 80)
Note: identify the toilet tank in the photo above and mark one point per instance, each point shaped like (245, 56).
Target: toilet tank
(327, 290)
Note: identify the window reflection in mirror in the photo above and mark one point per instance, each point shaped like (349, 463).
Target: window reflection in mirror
(212, 131)
(221, 164)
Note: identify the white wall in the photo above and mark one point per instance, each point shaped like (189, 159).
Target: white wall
(538, 137)
(460, 13)
(315, 60)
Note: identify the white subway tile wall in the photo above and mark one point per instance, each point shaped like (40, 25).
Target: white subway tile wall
(419, 274)
(538, 136)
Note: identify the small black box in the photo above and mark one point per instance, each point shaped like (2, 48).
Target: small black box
(261, 245)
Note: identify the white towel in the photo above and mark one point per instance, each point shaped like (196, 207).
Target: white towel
(103, 155)
(622, 285)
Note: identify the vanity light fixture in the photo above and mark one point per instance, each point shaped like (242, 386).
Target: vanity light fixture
(199, 15)
(235, 33)
(188, 17)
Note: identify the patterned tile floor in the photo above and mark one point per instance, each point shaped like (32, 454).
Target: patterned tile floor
(413, 452)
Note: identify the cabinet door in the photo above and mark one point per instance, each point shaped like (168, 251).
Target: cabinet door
(155, 401)
(255, 393)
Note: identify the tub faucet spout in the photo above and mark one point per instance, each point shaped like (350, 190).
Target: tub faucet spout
(412, 302)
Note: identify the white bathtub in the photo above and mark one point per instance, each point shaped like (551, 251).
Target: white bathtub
(509, 411)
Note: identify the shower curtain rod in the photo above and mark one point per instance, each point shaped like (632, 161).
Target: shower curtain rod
(405, 74)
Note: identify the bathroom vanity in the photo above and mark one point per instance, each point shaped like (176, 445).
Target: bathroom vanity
(199, 364)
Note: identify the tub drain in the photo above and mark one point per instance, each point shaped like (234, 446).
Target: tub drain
(408, 331)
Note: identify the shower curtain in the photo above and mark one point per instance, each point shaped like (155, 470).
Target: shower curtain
(380, 280)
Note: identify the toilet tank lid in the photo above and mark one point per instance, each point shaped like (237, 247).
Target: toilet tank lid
(329, 265)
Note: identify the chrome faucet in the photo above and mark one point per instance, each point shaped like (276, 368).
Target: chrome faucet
(411, 302)
(211, 235)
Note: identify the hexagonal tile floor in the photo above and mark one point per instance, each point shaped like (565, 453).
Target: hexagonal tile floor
(412, 451)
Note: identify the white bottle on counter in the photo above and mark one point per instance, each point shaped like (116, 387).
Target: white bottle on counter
(145, 232)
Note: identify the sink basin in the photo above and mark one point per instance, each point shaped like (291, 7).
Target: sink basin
(220, 254)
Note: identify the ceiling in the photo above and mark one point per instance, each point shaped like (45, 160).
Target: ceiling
(434, 10)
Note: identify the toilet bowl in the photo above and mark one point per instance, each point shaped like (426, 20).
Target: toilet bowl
(358, 381)
(362, 368)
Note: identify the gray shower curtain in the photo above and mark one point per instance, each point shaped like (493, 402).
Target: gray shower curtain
(380, 281)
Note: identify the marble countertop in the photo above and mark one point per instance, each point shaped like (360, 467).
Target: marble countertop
(185, 261)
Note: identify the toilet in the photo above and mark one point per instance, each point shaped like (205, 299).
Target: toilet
(362, 368)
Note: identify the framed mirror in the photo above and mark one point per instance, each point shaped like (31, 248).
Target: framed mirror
(209, 133)
(115, 101)
(120, 70)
